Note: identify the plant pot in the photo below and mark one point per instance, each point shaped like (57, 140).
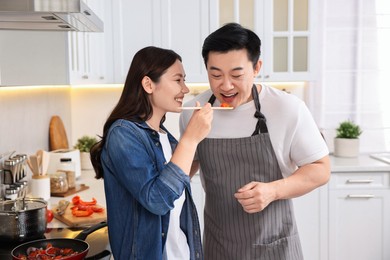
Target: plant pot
(85, 161)
(344, 147)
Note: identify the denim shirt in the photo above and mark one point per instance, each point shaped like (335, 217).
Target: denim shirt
(140, 188)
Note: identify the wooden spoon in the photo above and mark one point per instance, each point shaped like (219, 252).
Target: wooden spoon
(33, 163)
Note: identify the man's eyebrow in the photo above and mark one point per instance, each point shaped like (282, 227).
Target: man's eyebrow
(214, 68)
(236, 68)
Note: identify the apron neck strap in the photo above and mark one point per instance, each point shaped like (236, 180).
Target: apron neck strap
(261, 126)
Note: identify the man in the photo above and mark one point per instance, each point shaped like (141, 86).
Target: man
(257, 156)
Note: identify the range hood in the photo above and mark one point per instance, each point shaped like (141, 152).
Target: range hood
(48, 15)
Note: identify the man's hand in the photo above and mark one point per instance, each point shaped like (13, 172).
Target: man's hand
(255, 196)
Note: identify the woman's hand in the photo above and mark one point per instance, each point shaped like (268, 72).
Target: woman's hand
(199, 125)
(197, 129)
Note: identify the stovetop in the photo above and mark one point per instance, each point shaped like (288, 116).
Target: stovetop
(98, 241)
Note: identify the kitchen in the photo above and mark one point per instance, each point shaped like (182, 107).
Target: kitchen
(78, 75)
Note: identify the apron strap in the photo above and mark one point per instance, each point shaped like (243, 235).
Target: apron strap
(261, 126)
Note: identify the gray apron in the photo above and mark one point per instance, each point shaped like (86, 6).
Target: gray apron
(229, 232)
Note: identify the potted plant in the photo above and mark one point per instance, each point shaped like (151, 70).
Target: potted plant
(346, 143)
(84, 144)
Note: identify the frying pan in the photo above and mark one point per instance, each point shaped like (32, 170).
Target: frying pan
(77, 244)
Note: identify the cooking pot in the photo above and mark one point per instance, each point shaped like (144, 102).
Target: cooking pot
(22, 219)
(77, 244)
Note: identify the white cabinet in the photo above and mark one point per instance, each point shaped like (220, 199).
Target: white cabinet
(33, 58)
(90, 54)
(180, 25)
(199, 198)
(359, 214)
(285, 28)
(349, 217)
(58, 58)
(309, 211)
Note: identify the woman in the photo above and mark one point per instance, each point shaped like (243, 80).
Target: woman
(150, 211)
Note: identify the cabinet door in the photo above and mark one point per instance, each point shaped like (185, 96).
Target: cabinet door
(359, 226)
(90, 52)
(310, 214)
(180, 25)
(287, 40)
(33, 58)
(185, 25)
(137, 24)
(284, 27)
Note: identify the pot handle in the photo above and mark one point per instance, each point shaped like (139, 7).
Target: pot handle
(100, 255)
(83, 234)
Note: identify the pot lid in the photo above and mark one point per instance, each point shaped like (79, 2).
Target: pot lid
(21, 205)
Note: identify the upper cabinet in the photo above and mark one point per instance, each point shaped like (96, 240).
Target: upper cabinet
(180, 25)
(285, 30)
(284, 26)
(90, 54)
(58, 58)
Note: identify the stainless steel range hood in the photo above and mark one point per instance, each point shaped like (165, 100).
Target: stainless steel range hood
(48, 15)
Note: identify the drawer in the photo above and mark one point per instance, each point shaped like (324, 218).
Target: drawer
(360, 180)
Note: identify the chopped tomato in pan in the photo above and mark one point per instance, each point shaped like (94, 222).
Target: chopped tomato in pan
(49, 253)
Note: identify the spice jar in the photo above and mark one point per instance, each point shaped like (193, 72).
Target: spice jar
(58, 182)
(68, 167)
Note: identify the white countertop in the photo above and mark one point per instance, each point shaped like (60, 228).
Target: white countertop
(96, 190)
(362, 163)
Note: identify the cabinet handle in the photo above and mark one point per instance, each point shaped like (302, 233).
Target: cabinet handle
(360, 181)
(360, 196)
(84, 77)
(266, 76)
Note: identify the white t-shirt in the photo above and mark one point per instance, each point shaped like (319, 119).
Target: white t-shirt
(176, 247)
(294, 135)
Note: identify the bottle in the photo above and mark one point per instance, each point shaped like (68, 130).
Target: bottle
(66, 165)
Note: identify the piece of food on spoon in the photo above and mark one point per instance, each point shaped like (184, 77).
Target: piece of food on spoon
(225, 104)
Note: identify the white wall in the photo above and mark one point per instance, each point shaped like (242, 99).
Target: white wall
(90, 108)
(25, 114)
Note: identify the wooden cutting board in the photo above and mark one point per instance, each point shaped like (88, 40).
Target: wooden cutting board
(71, 191)
(57, 134)
(73, 221)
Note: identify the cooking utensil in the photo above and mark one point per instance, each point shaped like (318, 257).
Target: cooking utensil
(45, 162)
(77, 244)
(22, 219)
(213, 108)
(34, 165)
(39, 155)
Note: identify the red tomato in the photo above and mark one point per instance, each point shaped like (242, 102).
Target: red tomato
(49, 215)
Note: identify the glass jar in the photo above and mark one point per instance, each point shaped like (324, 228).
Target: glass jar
(66, 165)
(58, 183)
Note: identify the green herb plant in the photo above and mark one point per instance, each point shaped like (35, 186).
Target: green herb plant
(85, 143)
(349, 130)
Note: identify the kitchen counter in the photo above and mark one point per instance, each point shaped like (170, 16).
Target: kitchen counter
(96, 190)
(362, 163)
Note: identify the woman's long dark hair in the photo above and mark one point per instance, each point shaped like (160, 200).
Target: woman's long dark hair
(134, 104)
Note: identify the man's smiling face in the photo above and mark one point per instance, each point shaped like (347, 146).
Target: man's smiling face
(231, 76)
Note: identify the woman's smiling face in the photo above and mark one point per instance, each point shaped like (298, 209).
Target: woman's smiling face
(231, 76)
